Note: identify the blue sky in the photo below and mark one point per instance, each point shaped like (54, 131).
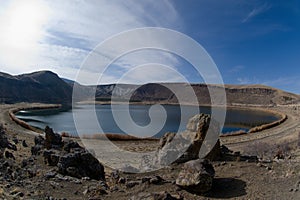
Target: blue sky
(251, 42)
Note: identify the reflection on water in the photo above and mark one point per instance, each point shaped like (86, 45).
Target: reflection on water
(62, 121)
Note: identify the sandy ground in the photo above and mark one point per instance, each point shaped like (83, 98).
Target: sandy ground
(234, 179)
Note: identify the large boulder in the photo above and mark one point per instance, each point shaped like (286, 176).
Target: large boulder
(81, 164)
(186, 145)
(196, 176)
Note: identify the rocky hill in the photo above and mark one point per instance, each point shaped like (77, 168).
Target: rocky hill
(47, 87)
(235, 94)
(43, 87)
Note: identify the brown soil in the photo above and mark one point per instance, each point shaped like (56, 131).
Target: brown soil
(234, 179)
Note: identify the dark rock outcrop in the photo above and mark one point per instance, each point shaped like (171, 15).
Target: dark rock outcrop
(53, 140)
(4, 143)
(196, 176)
(81, 164)
(70, 158)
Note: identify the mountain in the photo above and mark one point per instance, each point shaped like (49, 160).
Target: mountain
(42, 86)
(47, 87)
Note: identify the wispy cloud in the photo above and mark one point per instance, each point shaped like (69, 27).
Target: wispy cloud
(70, 29)
(256, 11)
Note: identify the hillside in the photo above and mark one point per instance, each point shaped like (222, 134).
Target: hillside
(47, 87)
(235, 94)
(43, 87)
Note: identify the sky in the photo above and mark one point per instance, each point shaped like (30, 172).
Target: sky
(251, 42)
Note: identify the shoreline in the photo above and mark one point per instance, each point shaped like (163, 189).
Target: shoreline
(24, 124)
(115, 136)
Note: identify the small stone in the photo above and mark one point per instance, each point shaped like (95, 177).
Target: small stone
(146, 179)
(9, 155)
(24, 144)
(24, 163)
(85, 178)
(131, 184)
(15, 140)
(156, 180)
(50, 174)
(223, 163)
(122, 180)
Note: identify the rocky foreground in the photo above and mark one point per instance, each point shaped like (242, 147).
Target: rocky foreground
(51, 167)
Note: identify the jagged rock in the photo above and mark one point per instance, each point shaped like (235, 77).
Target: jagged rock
(52, 140)
(36, 150)
(215, 153)
(39, 140)
(71, 145)
(81, 164)
(186, 145)
(4, 143)
(51, 157)
(196, 131)
(196, 176)
(167, 138)
(3, 140)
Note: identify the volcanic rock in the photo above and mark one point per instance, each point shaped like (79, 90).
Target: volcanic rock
(196, 176)
(53, 140)
(81, 164)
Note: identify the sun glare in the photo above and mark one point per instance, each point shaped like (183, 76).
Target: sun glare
(25, 22)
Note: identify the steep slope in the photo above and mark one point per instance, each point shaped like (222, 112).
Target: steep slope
(43, 86)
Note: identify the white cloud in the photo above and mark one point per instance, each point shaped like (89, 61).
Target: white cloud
(69, 29)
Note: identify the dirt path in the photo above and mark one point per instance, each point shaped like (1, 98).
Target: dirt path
(287, 132)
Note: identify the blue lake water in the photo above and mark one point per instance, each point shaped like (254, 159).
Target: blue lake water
(63, 121)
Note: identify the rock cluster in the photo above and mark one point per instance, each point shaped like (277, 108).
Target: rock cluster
(70, 158)
(200, 139)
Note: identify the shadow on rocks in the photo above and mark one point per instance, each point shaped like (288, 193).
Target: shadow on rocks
(224, 188)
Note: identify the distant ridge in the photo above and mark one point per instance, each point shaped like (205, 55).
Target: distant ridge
(48, 87)
(42, 86)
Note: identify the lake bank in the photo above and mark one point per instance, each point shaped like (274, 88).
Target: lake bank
(237, 119)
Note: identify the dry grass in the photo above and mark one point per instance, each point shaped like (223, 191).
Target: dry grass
(270, 125)
(267, 151)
